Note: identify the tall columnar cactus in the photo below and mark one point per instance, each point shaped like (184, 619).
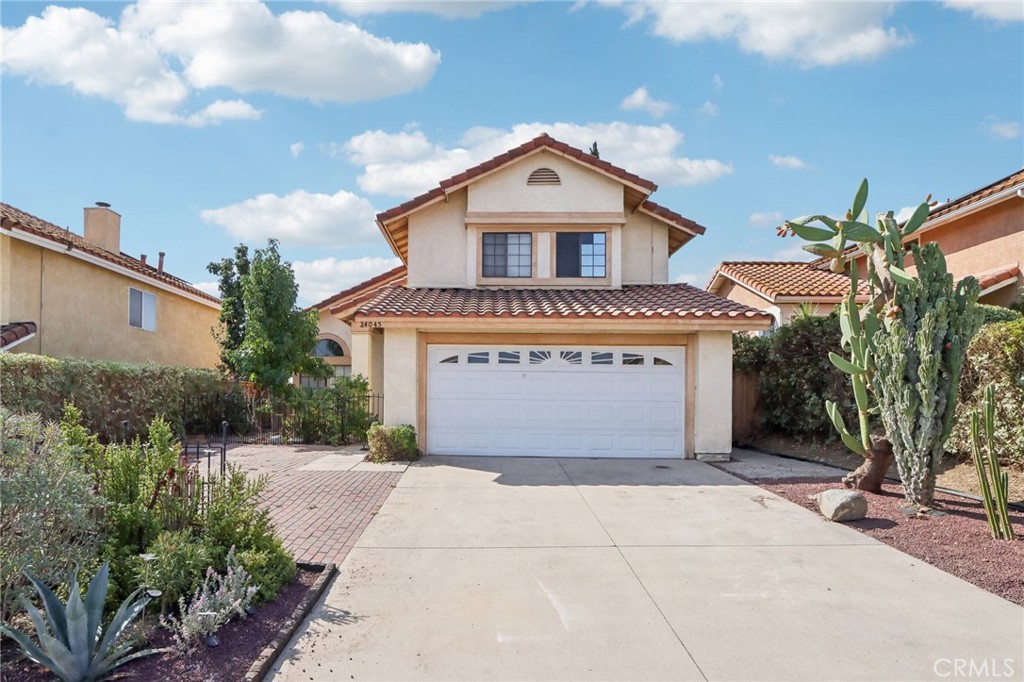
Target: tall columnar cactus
(906, 344)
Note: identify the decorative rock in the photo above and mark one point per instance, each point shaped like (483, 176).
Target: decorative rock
(842, 505)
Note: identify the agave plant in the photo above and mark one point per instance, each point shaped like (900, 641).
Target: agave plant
(72, 644)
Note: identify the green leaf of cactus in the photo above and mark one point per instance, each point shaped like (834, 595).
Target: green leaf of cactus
(837, 421)
(916, 220)
(823, 250)
(861, 198)
(844, 364)
(860, 393)
(901, 276)
(812, 234)
(861, 232)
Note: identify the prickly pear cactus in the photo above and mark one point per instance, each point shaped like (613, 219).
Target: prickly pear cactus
(918, 358)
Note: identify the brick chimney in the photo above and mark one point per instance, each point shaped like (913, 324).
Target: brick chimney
(103, 227)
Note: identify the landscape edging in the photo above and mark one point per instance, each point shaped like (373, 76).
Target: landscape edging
(268, 657)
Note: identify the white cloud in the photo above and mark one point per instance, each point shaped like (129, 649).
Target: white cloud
(299, 218)
(295, 148)
(709, 108)
(904, 213)
(453, 9)
(1003, 130)
(717, 83)
(693, 278)
(325, 277)
(640, 99)
(160, 55)
(404, 164)
(212, 288)
(790, 162)
(766, 219)
(1004, 10)
(794, 250)
(810, 33)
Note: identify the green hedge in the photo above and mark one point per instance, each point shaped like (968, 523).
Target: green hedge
(107, 393)
(995, 356)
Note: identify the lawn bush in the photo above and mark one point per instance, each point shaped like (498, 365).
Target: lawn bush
(995, 356)
(174, 564)
(997, 313)
(392, 443)
(795, 376)
(106, 393)
(335, 415)
(49, 512)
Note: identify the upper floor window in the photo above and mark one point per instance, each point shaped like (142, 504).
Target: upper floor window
(580, 254)
(141, 310)
(507, 254)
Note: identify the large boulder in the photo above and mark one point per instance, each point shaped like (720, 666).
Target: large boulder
(841, 505)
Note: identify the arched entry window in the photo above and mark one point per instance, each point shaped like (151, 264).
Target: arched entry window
(335, 353)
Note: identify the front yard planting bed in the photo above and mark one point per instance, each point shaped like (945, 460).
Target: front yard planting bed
(242, 642)
(958, 542)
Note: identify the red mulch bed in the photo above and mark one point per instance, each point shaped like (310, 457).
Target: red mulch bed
(241, 643)
(959, 543)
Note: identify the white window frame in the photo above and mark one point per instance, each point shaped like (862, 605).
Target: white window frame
(146, 310)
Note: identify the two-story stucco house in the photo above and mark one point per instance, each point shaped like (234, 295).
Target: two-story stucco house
(78, 296)
(537, 318)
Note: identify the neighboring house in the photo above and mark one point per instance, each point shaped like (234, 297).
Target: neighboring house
(67, 295)
(980, 233)
(334, 339)
(538, 320)
(782, 287)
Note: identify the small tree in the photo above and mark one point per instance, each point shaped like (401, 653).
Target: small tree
(906, 345)
(594, 151)
(266, 338)
(231, 330)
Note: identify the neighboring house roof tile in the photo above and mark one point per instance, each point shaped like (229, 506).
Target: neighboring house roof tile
(645, 301)
(371, 286)
(788, 278)
(16, 219)
(993, 277)
(539, 142)
(9, 333)
(673, 217)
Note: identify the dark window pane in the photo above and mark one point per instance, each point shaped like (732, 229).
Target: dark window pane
(567, 254)
(450, 360)
(508, 357)
(478, 358)
(328, 348)
(632, 359)
(600, 358)
(135, 308)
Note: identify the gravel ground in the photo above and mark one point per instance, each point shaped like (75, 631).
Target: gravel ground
(959, 542)
(241, 642)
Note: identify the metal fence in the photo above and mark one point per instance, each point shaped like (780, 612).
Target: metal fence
(312, 416)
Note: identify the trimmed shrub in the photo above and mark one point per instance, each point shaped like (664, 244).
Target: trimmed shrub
(335, 415)
(49, 518)
(392, 443)
(795, 376)
(997, 313)
(105, 393)
(995, 356)
(176, 564)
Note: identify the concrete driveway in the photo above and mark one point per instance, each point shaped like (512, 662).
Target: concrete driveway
(542, 569)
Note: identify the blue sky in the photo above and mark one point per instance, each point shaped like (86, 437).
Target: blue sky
(206, 124)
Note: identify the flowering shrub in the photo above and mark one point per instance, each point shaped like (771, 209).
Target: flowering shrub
(220, 598)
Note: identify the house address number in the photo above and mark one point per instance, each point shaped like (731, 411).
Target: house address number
(370, 324)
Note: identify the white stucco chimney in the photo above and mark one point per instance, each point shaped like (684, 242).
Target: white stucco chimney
(103, 227)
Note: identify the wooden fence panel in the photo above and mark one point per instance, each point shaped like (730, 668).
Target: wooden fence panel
(746, 406)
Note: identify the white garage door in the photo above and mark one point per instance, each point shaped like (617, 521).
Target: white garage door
(555, 401)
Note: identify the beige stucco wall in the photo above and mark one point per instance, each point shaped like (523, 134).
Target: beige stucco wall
(330, 326)
(644, 254)
(400, 377)
(982, 241)
(712, 432)
(82, 311)
(437, 244)
(581, 189)
(735, 292)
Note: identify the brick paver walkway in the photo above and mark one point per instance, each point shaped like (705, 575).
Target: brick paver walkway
(319, 514)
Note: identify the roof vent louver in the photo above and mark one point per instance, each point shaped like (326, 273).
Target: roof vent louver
(543, 176)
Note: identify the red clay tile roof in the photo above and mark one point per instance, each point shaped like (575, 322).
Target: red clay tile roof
(991, 278)
(788, 278)
(539, 142)
(676, 301)
(15, 219)
(673, 217)
(9, 333)
(364, 289)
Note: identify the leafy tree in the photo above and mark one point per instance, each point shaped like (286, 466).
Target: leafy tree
(263, 336)
(231, 330)
(593, 151)
(278, 338)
